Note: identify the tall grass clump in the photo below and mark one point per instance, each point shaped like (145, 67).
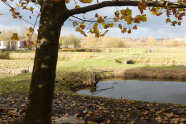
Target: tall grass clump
(4, 55)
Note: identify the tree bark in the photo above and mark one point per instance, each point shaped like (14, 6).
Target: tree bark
(43, 76)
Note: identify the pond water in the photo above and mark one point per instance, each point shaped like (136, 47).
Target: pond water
(152, 91)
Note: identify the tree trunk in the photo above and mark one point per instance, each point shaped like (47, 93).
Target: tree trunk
(44, 71)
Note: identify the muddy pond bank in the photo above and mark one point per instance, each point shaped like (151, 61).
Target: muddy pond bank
(74, 81)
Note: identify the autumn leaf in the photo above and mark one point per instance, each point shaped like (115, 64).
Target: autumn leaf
(30, 29)
(179, 23)
(159, 13)
(141, 7)
(20, 17)
(159, 119)
(100, 20)
(181, 15)
(75, 23)
(14, 36)
(135, 27)
(120, 26)
(168, 20)
(117, 14)
(124, 30)
(77, 6)
(96, 15)
(116, 19)
(24, 7)
(104, 33)
(174, 23)
(129, 11)
(129, 31)
(85, 1)
(82, 26)
(31, 9)
(67, 1)
(105, 17)
(78, 29)
(174, 10)
(110, 24)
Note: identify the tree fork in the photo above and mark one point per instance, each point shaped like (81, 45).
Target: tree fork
(43, 76)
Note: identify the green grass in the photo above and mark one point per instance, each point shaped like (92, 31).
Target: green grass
(15, 84)
(75, 67)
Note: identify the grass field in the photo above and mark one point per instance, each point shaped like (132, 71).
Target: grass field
(73, 67)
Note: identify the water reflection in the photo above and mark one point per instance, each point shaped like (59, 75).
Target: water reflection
(94, 89)
(153, 91)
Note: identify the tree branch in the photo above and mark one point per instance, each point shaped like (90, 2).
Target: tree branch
(33, 28)
(8, 5)
(84, 19)
(124, 3)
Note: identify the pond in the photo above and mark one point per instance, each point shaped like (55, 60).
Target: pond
(152, 91)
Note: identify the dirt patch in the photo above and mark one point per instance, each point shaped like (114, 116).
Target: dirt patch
(96, 109)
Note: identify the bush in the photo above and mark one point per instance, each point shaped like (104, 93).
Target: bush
(130, 62)
(4, 55)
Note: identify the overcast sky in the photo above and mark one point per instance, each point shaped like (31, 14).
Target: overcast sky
(155, 26)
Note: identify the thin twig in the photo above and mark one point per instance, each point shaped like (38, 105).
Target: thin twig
(33, 28)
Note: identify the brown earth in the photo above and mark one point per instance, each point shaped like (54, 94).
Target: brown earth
(96, 109)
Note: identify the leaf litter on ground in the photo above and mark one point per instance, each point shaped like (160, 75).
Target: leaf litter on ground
(95, 110)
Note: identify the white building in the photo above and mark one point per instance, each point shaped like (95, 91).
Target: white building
(2, 45)
(11, 45)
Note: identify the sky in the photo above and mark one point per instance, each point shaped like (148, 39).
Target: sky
(155, 26)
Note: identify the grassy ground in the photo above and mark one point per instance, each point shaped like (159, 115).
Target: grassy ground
(73, 73)
(73, 67)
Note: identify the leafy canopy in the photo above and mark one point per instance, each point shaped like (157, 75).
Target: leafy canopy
(123, 19)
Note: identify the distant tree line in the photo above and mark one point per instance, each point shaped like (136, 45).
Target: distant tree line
(11, 36)
(23, 34)
(117, 42)
(72, 41)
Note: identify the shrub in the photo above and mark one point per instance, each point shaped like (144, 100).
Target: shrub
(4, 55)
